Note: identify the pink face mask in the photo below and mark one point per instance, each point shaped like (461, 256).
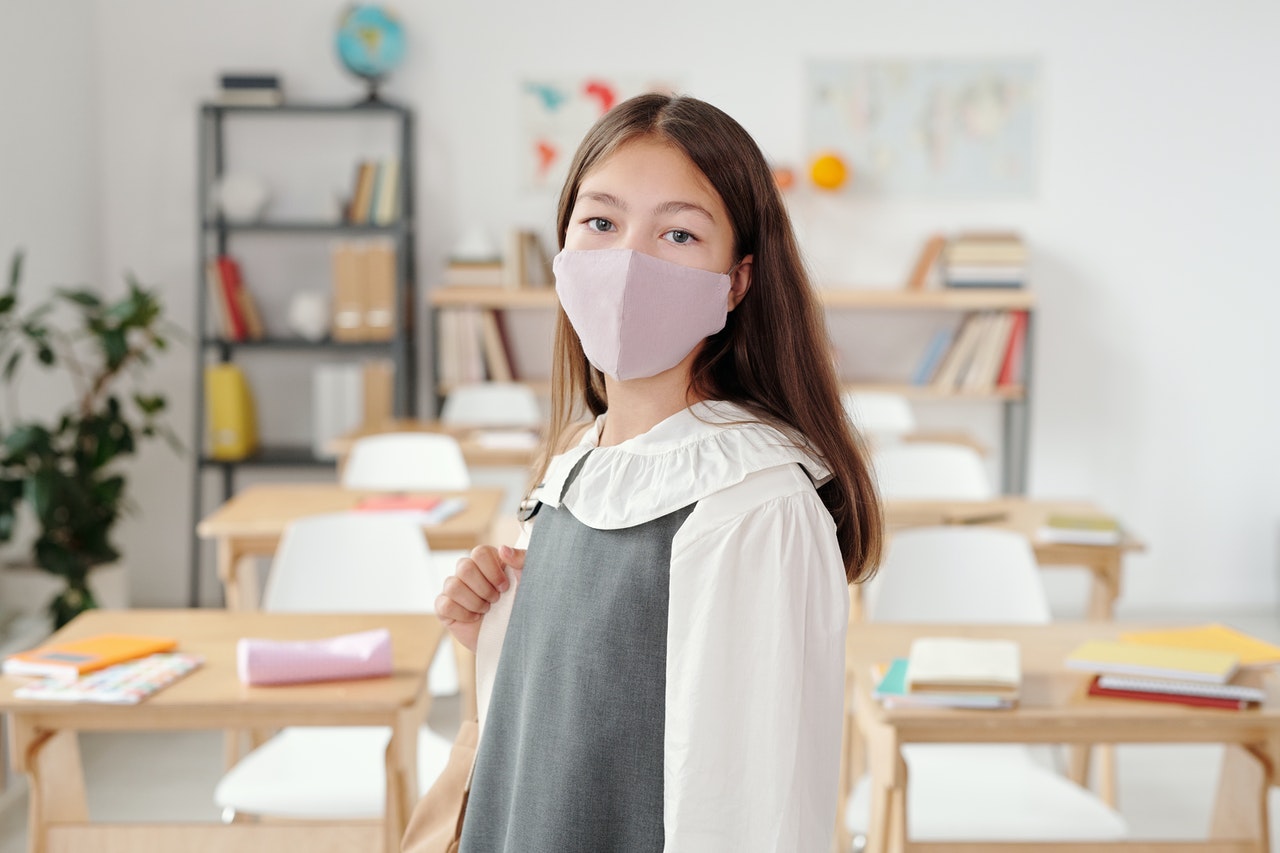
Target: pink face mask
(638, 315)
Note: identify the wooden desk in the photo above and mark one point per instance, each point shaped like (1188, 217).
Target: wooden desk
(1027, 516)
(475, 449)
(45, 743)
(1054, 708)
(251, 523)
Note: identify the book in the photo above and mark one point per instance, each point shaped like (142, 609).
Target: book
(382, 503)
(337, 397)
(377, 381)
(495, 353)
(967, 341)
(1116, 657)
(1011, 367)
(1180, 692)
(1211, 638)
(926, 263)
(242, 304)
(473, 273)
(960, 664)
(121, 684)
(1069, 529)
(932, 357)
(224, 325)
(891, 690)
(69, 660)
(387, 208)
(227, 282)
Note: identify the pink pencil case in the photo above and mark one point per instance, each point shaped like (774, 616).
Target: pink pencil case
(363, 655)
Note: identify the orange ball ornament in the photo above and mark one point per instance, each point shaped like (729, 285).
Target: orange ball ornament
(828, 171)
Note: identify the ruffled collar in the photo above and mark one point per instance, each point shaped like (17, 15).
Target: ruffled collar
(690, 455)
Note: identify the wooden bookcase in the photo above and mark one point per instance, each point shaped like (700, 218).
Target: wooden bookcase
(1014, 401)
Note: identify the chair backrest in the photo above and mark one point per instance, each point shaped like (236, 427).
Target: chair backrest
(958, 574)
(406, 462)
(929, 471)
(492, 404)
(355, 562)
(880, 414)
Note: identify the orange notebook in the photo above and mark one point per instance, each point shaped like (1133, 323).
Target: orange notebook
(68, 661)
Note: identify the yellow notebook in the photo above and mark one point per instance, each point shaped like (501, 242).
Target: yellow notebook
(1211, 638)
(1113, 657)
(70, 660)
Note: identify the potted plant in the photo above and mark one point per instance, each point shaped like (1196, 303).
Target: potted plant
(66, 470)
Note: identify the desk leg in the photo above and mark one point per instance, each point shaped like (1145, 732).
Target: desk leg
(1105, 588)
(1240, 811)
(55, 777)
(402, 772)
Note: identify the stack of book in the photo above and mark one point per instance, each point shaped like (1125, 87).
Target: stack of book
(375, 193)
(986, 259)
(235, 312)
(953, 672)
(250, 90)
(111, 668)
(1198, 666)
(985, 352)
(1065, 529)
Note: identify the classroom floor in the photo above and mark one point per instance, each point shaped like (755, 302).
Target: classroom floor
(1164, 791)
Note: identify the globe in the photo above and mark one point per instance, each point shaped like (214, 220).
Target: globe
(370, 43)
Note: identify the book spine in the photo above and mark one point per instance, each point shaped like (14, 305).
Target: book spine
(230, 288)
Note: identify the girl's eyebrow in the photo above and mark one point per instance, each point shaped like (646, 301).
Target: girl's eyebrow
(664, 208)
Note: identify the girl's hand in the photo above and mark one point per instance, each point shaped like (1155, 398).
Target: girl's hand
(475, 585)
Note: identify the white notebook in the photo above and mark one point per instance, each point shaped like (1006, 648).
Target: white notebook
(949, 663)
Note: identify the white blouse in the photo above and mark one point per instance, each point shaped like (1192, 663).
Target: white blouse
(758, 611)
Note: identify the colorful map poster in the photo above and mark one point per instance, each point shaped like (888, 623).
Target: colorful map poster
(947, 128)
(559, 112)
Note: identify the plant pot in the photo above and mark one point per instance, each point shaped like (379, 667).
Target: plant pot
(29, 589)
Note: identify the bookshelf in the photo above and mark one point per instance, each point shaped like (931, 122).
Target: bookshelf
(1013, 399)
(216, 237)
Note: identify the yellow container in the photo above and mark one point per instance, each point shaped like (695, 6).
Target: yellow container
(233, 430)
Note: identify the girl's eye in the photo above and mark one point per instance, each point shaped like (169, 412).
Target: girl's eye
(680, 237)
(599, 223)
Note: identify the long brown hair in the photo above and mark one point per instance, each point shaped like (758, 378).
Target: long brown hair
(773, 357)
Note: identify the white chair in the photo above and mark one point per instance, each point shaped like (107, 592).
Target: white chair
(415, 462)
(492, 404)
(931, 471)
(406, 462)
(971, 792)
(880, 415)
(354, 563)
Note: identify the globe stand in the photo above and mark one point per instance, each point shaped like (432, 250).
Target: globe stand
(371, 96)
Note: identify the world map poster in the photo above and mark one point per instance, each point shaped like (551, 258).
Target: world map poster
(558, 112)
(940, 128)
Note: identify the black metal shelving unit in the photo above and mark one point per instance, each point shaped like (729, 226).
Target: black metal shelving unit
(214, 238)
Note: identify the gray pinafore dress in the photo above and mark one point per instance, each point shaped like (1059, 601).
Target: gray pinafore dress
(572, 755)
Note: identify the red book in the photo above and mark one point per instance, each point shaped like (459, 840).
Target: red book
(1096, 689)
(229, 276)
(1011, 367)
(396, 502)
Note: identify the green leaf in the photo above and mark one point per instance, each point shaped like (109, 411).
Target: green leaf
(115, 347)
(7, 302)
(15, 270)
(45, 354)
(28, 438)
(150, 404)
(87, 298)
(12, 364)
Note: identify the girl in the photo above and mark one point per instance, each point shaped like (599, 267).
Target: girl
(672, 674)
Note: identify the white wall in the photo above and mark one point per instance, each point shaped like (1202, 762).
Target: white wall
(1158, 196)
